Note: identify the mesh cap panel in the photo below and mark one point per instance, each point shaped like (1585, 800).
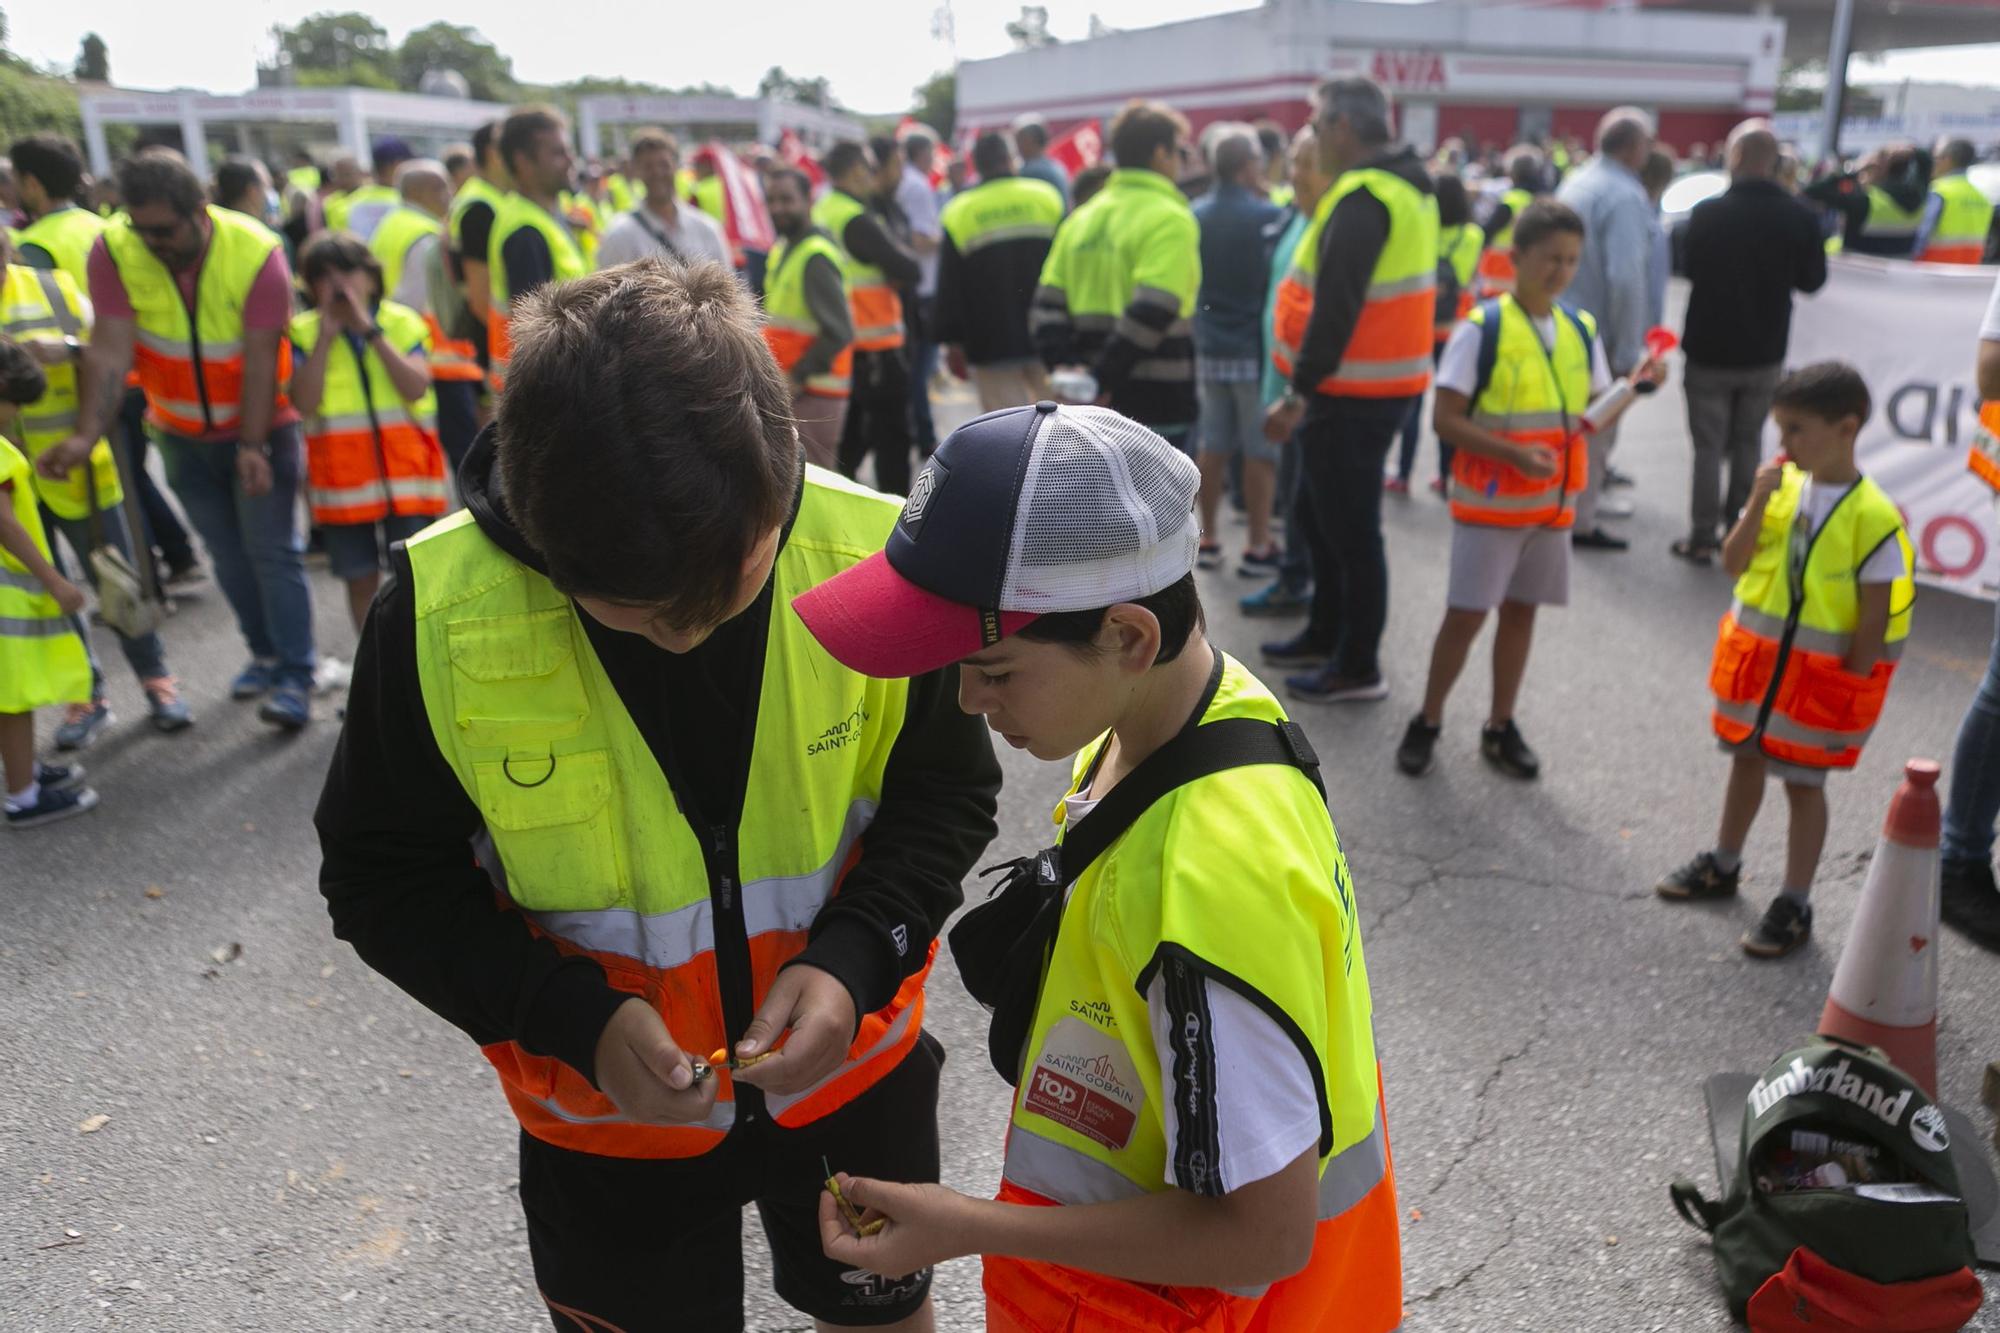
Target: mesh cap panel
(1106, 514)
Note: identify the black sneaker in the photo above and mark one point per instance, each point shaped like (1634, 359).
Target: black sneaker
(1971, 901)
(1297, 651)
(52, 804)
(1415, 755)
(1702, 877)
(1787, 924)
(1597, 539)
(1506, 751)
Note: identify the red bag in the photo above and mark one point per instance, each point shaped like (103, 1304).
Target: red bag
(1810, 1295)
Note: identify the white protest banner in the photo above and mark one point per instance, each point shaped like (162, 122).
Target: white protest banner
(1912, 330)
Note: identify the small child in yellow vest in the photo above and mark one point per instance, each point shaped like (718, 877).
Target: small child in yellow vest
(1513, 381)
(42, 661)
(1804, 657)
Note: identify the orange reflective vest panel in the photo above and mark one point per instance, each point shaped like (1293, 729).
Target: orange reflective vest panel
(789, 327)
(188, 355)
(877, 309)
(370, 454)
(1496, 262)
(1532, 395)
(1388, 355)
(585, 839)
(1984, 458)
(453, 360)
(1779, 673)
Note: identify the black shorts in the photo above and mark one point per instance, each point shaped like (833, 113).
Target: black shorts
(642, 1246)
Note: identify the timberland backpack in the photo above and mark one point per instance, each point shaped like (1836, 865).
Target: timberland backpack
(1845, 1213)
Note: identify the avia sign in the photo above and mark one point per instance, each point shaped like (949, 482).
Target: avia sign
(1408, 71)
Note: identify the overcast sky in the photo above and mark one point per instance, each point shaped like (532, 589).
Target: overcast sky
(872, 63)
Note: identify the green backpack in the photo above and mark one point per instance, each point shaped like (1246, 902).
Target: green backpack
(1846, 1210)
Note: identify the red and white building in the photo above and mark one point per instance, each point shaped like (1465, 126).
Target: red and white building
(1486, 71)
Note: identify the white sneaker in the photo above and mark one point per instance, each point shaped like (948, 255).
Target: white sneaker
(333, 674)
(1616, 506)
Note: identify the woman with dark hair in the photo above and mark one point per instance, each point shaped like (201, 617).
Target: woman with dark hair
(374, 469)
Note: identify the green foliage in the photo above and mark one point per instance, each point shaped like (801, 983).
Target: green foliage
(935, 103)
(330, 43)
(30, 104)
(1031, 31)
(361, 74)
(807, 92)
(93, 59)
(456, 46)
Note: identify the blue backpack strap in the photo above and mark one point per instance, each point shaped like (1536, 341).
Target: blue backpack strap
(1488, 325)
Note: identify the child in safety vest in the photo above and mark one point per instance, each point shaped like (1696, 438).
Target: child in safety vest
(42, 661)
(1512, 386)
(1804, 656)
(1198, 1138)
(375, 472)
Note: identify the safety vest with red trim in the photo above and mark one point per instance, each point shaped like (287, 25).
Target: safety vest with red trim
(592, 845)
(369, 453)
(1389, 353)
(789, 326)
(510, 215)
(1984, 459)
(1092, 1108)
(1965, 215)
(1534, 395)
(878, 310)
(1496, 263)
(1460, 246)
(1778, 672)
(189, 355)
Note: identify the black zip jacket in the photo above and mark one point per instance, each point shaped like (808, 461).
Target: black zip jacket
(402, 887)
(1356, 231)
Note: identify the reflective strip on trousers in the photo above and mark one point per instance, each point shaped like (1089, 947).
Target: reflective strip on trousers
(1830, 643)
(1141, 335)
(34, 627)
(666, 940)
(1159, 296)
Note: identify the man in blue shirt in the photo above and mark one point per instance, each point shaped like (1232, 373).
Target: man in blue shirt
(1031, 140)
(1229, 345)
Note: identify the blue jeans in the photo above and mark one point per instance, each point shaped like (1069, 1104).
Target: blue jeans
(1975, 771)
(146, 654)
(256, 543)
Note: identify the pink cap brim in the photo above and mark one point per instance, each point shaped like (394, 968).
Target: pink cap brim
(875, 621)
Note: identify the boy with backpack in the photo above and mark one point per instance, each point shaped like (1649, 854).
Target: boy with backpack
(1804, 656)
(1197, 1137)
(1512, 387)
(42, 661)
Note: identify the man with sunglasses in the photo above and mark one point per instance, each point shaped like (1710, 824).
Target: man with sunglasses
(197, 299)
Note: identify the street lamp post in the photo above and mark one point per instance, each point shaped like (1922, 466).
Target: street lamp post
(1836, 78)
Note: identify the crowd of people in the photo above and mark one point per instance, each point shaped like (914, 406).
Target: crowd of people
(546, 420)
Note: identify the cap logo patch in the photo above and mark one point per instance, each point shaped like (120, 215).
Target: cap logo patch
(922, 492)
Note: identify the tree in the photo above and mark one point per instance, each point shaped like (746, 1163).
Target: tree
(935, 102)
(456, 46)
(807, 92)
(1031, 32)
(330, 49)
(93, 60)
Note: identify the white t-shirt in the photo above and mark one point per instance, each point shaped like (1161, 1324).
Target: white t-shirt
(1458, 369)
(1884, 565)
(1989, 329)
(1240, 1089)
(412, 289)
(919, 203)
(695, 235)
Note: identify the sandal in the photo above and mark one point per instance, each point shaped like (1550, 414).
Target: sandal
(1695, 553)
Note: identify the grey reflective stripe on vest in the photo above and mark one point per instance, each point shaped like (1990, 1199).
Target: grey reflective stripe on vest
(1416, 282)
(1508, 501)
(1025, 231)
(1502, 422)
(43, 423)
(1781, 728)
(1365, 371)
(66, 319)
(1832, 643)
(720, 1116)
(779, 1103)
(1045, 1167)
(25, 582)
(34, 627)
(398, 488)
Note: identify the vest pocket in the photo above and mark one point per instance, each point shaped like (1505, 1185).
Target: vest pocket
(1740, 670)
(1823, 694)
(515, 680)
(549, 816)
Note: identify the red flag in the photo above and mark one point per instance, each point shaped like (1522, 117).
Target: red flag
(744, 220)
(794, 153)
(1080, 148)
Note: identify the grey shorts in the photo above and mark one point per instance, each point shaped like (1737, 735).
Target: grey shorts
(1792, 775)
(356, 550)
(1232, 420)
(1491, 565)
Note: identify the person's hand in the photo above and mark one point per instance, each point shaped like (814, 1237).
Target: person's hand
(819, 1013)
(925, 1226)
(1769, 478)
(1652, 372)
(253, 471)
(47, 353)
(1283, 418)
(954, 361)
(1537, 462)
(647, 1076)
(68, 596)
(59, 460)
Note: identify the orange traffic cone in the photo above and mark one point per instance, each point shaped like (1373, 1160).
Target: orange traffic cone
(1885, 990)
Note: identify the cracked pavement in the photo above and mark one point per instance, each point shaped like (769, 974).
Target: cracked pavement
(295, 1145)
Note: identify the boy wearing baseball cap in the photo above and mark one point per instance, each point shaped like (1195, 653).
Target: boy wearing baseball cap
(1197, 1138)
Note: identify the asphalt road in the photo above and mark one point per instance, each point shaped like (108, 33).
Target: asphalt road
(293, 1144)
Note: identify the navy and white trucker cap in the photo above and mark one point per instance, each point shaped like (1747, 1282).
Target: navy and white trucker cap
(1020, 513)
